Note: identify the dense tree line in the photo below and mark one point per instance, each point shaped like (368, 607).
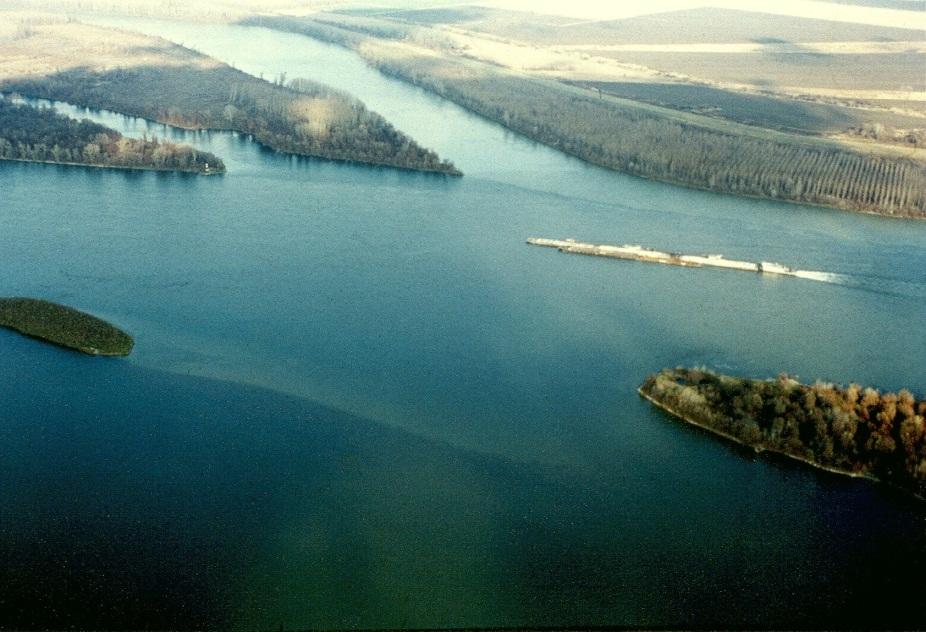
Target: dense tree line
(385, 29)
(309, 118)
(647, 142)
(43, 135)
(851, 429)
(301, 118)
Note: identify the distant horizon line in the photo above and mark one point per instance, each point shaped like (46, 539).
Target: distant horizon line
(591, 11)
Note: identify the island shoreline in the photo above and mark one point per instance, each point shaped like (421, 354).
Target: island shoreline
(194, 172)
(150, 78)
(757, 448)
(64, 327)
(699, 390)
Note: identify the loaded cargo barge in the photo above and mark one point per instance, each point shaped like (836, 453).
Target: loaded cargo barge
(639, 253)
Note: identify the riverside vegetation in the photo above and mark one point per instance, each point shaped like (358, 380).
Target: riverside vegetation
(64, 326)
(850, 430)
(43, 135)
(637, 138)
(154, 79)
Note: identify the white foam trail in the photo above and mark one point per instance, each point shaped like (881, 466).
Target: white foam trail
(869, 284)
(823, 277)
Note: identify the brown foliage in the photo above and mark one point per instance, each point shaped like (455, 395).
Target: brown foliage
(847, 429)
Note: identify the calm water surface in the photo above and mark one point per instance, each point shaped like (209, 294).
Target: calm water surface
(359, 400)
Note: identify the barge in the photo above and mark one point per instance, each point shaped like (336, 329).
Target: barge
(640, 253)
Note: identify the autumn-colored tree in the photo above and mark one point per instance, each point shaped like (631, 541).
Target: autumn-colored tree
(850, 429)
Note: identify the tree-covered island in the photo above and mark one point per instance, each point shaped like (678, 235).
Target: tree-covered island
(848, 430)
(64, 326)
(155, 79)
(42, 135)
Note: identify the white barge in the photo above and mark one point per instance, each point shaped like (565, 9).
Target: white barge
(639, 253)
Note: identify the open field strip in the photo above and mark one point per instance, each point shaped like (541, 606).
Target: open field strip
(776, 48)
(739, 129)
(717, 124)
(597, 12)
(573, 63)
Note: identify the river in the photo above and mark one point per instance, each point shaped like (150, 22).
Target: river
(358, 399)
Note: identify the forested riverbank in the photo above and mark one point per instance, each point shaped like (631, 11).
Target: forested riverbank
(42, 135)
(154, 79)
(640, 139)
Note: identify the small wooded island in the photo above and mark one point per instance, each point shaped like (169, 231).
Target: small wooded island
(850, 430)
(64, 326)
(43, 135)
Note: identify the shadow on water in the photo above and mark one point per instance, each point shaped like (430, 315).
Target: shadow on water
(169, 502)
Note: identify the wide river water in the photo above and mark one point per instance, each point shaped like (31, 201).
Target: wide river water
(358, 399)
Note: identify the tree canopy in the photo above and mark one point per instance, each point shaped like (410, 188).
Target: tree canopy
(43, 135)
(852, 429)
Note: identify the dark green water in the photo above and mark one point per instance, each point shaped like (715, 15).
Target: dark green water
(359, 400)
